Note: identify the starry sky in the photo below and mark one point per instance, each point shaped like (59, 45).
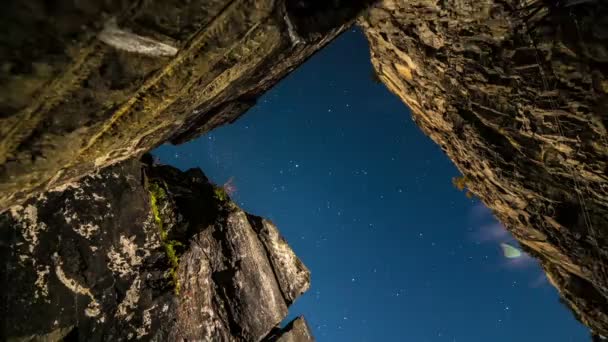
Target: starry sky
(366, 201)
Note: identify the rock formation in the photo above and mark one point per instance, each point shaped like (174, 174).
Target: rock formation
(295, 331)
(138, 251)
(516, 94)
(514, 91)
(86, 84)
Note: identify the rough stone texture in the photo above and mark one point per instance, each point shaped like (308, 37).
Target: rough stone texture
(92, 261)
(295, 331)
(515, 92)
(85, 84)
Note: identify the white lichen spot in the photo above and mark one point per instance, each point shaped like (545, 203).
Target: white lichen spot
(129, 303)
(144, 329)
(42, 285)
(152, 239)
(79, 194)
(86, 230)
(93, 309)
(41, 197)
(69, 216)
(30, 227)
(293, 35)
(64, 187)
(97, 197)
(130, 42)
(124, 259)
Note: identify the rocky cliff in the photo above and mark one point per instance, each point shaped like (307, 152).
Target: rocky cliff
(514, 91)
(516, 94)
(139, 251)
(86, 84)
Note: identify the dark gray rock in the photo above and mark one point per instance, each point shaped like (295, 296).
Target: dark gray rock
(295, 331)
(143, 252)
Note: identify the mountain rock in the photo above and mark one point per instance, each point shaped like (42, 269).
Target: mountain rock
(514, 91)
(86, 84)
(295, 331)
(141, 251)
(516, 94)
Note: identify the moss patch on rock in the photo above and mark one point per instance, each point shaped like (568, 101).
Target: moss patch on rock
(157, 197)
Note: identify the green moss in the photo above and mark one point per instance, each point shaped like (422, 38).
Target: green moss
(220, 194)
(157, 195)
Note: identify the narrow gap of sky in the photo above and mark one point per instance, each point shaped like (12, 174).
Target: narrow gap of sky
(366, 201)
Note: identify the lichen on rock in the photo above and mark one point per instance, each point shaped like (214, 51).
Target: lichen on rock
(175, 262)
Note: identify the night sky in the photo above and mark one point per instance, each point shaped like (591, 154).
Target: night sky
(366, 201)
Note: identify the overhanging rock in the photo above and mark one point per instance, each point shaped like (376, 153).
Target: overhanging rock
(516, 94)
(87, 84)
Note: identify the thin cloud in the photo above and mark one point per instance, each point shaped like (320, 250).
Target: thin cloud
(491, 232)
(480, 212)
(230, 187)
(539, 281)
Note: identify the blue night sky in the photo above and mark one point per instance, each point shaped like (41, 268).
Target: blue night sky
(366, 201)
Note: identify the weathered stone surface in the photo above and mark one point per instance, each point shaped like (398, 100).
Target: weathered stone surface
(292, 275)
(84, 85)
(143, 252)
(515, 92)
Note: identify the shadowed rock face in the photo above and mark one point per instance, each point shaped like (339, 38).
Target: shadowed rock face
(140, 251)
(84, 85)
(515, 92)
(295, 331)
